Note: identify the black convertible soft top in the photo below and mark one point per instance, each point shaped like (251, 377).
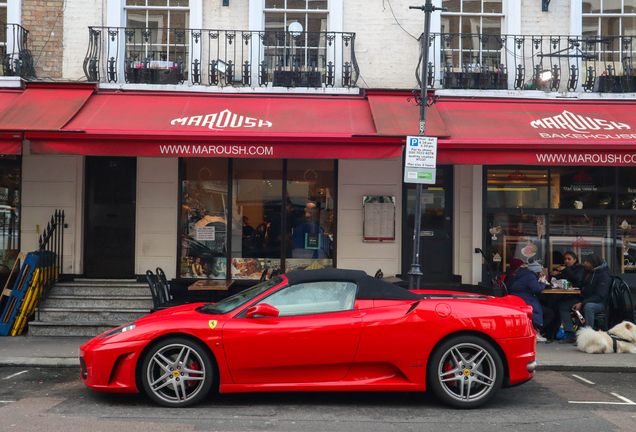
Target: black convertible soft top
(369, 288)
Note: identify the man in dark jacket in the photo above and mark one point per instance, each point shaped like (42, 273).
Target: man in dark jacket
(593, 297)
(527, 286)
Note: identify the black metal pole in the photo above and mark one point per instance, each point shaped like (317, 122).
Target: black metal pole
(415, 273)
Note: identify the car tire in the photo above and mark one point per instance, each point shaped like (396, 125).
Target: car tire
(465, 372)
(177, 372)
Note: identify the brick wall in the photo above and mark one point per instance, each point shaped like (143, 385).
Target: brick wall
(44, 20)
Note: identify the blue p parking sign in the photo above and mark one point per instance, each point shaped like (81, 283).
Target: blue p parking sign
(413, 142)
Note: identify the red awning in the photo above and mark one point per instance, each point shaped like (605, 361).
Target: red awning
(395, 115)
(10, 142)
(169, 124)
(44, 107)
(537, 132)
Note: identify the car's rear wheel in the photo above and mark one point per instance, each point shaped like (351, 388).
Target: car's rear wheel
(177, 372)
(465, 372)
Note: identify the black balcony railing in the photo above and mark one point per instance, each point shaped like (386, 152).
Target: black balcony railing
(549, 63)
(14, 48)
(221, 57)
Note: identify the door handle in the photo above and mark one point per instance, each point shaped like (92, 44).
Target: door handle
(358, 315)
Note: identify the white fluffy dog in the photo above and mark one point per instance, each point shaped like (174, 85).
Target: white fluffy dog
(598, 342)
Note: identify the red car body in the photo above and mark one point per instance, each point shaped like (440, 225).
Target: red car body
(379, 344)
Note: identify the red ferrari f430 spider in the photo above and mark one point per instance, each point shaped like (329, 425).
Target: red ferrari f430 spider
(320, 330)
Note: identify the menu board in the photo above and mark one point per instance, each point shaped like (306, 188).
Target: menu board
(378, 218)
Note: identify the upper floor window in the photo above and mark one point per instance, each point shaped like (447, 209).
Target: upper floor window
(156, 31)
(609, 17)
(310, 14)
(464, 22)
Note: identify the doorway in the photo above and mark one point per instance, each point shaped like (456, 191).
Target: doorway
(436, 232)
(109, 226)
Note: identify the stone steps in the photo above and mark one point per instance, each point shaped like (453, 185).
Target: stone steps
(99, 301)
(72, 328)
(88, 307)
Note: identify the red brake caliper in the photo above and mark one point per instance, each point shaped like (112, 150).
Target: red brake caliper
(193, 366)
(447, 368)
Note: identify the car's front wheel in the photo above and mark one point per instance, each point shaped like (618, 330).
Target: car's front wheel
(465, 371)
(177, 372)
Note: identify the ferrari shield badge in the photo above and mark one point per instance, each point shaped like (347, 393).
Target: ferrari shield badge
(212, 323)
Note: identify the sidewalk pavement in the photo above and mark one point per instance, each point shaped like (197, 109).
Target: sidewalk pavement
(25, 351)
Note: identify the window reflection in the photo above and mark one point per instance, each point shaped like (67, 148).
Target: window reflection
(515, 236)
(582, 188)
(10, 173)
(310, 214)
(204, 213)
(582, 234)
(517, 187)
(257, 190)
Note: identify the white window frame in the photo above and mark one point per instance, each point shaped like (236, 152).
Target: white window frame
(116, 17)
(335, 23)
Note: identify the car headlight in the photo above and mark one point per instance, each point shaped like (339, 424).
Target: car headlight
(119, 330)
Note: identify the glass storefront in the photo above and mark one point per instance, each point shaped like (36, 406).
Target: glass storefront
(536, 213)
(281, 215)
(10, 173)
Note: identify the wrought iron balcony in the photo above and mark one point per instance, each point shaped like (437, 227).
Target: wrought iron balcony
(14, 48)
(548, 63)
(221, 57)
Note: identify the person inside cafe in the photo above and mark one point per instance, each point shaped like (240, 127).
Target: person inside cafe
(593, 298)
(197, 268)
(573, 271)
(528, 285)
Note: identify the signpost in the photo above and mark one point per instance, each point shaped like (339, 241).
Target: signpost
(421, 152)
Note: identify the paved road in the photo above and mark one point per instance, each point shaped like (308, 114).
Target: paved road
(56, 399)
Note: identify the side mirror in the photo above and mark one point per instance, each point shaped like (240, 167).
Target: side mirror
(262, 309)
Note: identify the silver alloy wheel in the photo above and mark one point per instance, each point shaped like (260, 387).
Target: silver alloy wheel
(176, 373)
(467, 372)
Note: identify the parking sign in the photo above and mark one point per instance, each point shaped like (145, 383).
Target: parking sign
(420, 162)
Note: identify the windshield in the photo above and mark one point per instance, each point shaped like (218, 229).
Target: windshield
(238, 300)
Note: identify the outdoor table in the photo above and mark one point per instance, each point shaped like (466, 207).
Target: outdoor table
(560, 291)
(211, 285)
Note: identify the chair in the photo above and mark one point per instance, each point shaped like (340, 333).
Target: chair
(161, 298)
(625, 310)
(608, 318)
(164, 287)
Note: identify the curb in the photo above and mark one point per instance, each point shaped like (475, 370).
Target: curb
(586, 368)
(46, 362)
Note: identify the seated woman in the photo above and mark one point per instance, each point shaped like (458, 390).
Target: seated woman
(573, 271)
(527, 286)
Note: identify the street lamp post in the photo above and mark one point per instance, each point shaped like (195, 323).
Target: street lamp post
(415, 273)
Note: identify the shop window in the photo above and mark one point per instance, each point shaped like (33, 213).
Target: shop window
(626, 244)
(10, 173)
(515, 236)
(627, 189)
(266, 232)
(257, 191)
(517, 188)
(310, 214)
(582, 188)
(204, 215)
(581, 234)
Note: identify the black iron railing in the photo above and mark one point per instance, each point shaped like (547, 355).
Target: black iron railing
(14, 48)
(221, 57)
(51, 254)
(549, 63)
